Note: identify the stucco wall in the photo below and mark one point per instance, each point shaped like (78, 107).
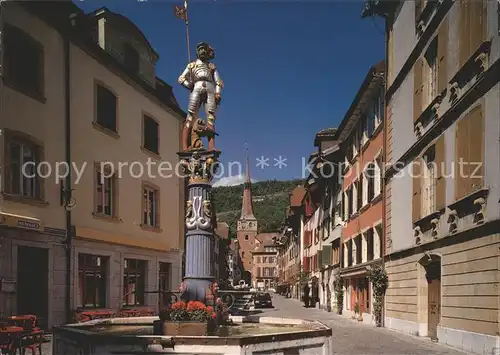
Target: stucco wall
(90, 145)
(404, 35)
(43, 121)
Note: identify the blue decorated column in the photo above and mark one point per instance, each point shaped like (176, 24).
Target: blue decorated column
(199, 167)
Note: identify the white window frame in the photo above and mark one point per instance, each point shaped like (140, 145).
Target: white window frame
(105, 183)
(364, 247)
(379, 109)
(354, 188)
(365, 189)
(27, 185)
(378, 176)
(152, 213)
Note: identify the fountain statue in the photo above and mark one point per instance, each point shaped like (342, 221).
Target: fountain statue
(199, 164)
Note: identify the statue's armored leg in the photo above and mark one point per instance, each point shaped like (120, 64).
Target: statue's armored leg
(193, 108)
(211, 107)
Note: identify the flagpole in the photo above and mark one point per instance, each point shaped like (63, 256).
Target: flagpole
(187, 31)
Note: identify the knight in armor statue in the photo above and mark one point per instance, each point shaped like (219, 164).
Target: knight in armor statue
(202, 79)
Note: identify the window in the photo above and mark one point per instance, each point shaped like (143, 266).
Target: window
(150, 207)
(378, 176)
(150, 134)
(473, 28)
(349, 253)
(23, 158)
(106, 108)
(134, 281)
(359, 193)
(429, 182)
(92, 281)
(105, 193)
(164, 277)
(379, 107)
(431, 75)
(362, 133)
(23, 61)
(131, 58)
(359, 250)
(246, 237)
(371, 120)
(369, 245)
(264, 260)
(350, 202)
(370, 176)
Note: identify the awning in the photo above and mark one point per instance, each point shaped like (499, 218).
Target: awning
(20, 221)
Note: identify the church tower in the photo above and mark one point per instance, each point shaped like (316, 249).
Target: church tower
(247, 224)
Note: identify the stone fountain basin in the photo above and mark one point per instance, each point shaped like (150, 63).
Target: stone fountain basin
(249, 335)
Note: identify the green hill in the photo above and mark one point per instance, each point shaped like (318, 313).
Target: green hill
(270, 201)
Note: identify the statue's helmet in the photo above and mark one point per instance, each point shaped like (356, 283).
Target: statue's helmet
(205, 51)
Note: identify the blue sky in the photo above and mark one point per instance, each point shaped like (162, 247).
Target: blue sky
(290, 68)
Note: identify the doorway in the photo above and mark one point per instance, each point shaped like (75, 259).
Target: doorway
(33, 283)
(164, 298)
(429, 294)
(433, 276)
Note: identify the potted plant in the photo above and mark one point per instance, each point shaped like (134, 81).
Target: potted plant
(187, 319)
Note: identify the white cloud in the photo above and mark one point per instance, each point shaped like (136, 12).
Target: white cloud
(231, 181)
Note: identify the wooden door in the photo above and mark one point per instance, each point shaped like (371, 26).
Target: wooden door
(33, 283)
(434, 301)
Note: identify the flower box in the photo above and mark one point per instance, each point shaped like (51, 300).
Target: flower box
(186, 328)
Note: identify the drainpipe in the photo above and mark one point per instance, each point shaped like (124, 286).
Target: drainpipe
(67, 184)
(384, 150)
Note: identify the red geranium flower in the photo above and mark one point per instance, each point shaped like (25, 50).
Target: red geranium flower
(179, 305)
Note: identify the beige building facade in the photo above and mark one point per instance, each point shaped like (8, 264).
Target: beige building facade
(442, 132)
(126, 201)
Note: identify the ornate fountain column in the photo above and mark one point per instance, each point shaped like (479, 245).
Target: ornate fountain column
(199, 167)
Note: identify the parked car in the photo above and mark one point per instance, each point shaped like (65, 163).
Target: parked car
(263, 300)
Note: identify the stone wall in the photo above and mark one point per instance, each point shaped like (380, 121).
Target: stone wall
(469, 294)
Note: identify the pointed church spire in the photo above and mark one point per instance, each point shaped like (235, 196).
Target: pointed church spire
(247, 205)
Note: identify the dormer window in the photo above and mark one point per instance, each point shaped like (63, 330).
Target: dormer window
(131, 58)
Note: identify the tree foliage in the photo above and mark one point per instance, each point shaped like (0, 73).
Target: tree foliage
(271, 199)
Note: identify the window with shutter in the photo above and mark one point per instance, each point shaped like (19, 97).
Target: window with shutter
(472, 22)
(469, 153)
(417, 86)
(428, 181)
(441, 166)
(442, 70)
(417, 189)
(430, 76)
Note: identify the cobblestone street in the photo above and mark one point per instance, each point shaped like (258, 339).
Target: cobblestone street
(351, 337)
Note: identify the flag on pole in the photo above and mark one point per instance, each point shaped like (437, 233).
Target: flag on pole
(181, 11)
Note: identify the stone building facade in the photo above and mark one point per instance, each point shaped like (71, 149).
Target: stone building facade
(74, 88)
(443, 109)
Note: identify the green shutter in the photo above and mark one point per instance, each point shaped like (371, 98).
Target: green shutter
(327, 255)
(320, 255)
